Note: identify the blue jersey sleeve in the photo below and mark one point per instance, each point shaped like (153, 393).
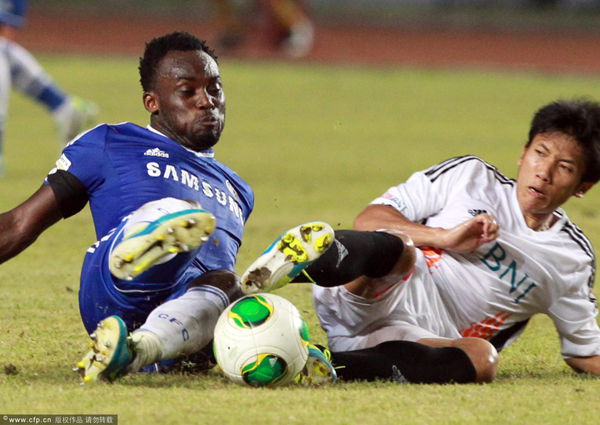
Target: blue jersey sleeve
(85, 158)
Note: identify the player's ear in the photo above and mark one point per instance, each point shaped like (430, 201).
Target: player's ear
(150, 102)
(582, 189)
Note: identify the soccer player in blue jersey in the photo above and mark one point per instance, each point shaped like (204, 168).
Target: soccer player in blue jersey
(168, 216)
(19, 69)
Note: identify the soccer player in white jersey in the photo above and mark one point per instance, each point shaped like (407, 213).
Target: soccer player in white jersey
(490, 253)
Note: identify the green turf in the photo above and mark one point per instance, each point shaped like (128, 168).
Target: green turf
(315, 143)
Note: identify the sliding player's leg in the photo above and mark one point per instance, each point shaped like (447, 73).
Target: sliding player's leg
(185, 324)
(287, 257)
(432, 360)
(153, 236)
(152, 250)
(402, 333)
(313, 252)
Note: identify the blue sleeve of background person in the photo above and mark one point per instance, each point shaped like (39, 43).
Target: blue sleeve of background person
(12, 12)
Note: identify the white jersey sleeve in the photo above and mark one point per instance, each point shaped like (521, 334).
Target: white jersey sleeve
(574, 316)
(428, 192)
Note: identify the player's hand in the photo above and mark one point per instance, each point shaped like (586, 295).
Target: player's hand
(471, 234)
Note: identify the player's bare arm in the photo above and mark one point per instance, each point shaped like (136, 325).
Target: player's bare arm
(21, 226)
(585, 364)
(466, 237)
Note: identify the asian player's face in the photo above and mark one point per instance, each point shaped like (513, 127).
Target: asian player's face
(187, 102)
(550, 172)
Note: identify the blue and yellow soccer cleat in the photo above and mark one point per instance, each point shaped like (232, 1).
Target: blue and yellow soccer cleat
(182, 231)
(318, 369)
(287, 257)
(110, 352)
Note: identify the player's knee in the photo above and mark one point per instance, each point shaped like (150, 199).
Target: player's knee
(225, 280)
(483, 356)
(407, 260)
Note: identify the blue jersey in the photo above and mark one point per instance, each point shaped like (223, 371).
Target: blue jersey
(124, 166)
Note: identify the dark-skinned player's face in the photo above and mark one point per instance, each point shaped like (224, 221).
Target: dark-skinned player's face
(187, 102)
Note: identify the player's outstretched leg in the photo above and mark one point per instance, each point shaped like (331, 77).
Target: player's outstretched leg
(318, 369)
(150, 242)
(73, 116)
(285, 259)
(188, 330)
(110, 352)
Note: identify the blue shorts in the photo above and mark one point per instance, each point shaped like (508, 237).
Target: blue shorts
(102, 295)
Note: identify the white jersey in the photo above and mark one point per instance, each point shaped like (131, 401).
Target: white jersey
(492, 292)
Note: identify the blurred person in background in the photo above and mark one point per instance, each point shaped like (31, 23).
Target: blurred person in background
(288, 25)
(19, 69)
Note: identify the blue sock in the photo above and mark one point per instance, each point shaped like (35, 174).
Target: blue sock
(52, 97)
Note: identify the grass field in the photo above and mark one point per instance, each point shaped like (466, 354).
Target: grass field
(315, 143)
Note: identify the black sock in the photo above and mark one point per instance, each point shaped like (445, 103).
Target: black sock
(404, 360)
(353, 254)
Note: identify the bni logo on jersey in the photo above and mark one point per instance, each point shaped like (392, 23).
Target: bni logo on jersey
(156, 152)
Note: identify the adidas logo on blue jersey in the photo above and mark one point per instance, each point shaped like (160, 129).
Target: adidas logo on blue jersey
(156, 152)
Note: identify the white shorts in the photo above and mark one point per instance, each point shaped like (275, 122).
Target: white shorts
(408, 311)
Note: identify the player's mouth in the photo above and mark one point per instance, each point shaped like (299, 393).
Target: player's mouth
(209, 121)
(536, 192)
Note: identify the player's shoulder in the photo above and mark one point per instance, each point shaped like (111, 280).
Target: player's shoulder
(126, 128)
(102, 130)
(580, 246)
(574, 233)
(466, 166)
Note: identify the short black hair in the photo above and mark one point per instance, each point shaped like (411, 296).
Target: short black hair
(158, 47)
(580, 119)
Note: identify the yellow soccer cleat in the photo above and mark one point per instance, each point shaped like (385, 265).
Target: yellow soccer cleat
(287, 257)
(182, 231)
(110, 352)
(318, 369)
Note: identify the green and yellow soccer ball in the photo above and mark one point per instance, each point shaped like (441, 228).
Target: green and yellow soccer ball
(261, 340)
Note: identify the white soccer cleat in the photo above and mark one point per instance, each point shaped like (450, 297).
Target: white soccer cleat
(287, 257)
(74, 117)
(182, 231)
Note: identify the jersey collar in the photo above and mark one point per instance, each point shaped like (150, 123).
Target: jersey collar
(208, 153)
(555, 228)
